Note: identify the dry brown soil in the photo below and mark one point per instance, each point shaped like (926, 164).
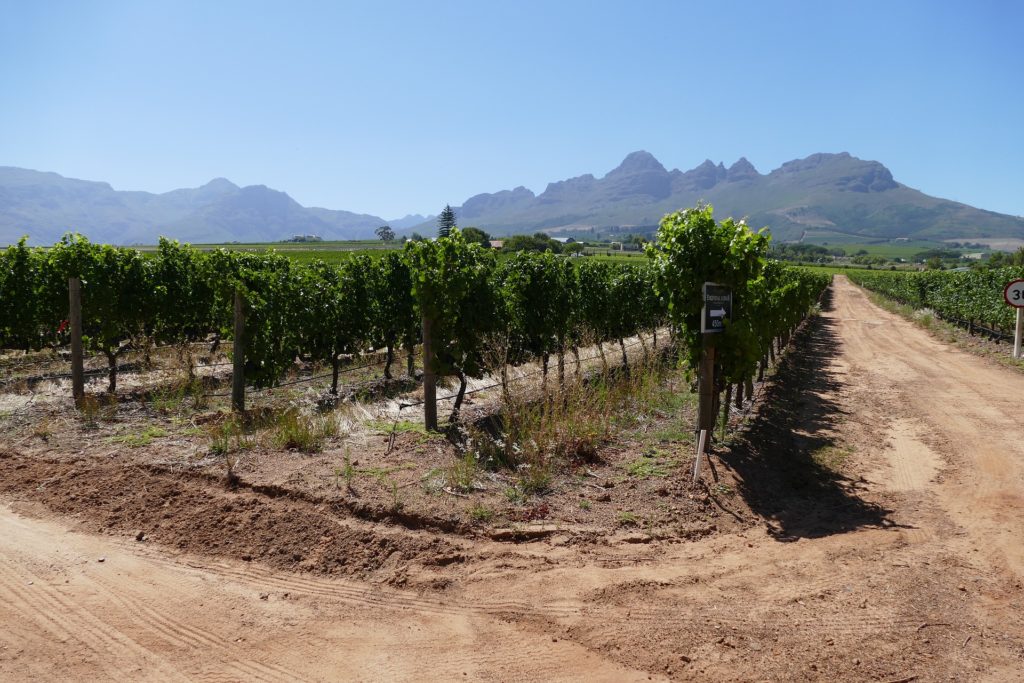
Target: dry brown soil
(869, 527)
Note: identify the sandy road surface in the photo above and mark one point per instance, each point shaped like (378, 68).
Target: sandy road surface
(907, 566)
(947, 408)
(138, 616)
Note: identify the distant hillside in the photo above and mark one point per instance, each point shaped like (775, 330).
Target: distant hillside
(824, 192)
(411, 221)
(46, 205)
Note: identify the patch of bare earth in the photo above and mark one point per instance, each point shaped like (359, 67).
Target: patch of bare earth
(864, 526)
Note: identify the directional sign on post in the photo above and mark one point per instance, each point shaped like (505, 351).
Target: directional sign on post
(717, 308)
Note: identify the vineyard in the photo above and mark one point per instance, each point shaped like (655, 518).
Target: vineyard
(567, 386)
(569, 366)
(972, 298)
(561, 496)
(484, 315)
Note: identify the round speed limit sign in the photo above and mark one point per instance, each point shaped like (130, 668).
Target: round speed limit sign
(1014, 293)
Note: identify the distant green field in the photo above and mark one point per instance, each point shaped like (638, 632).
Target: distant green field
(894, 250)
(335, 245)
(339, 252)
(305, 252)
(617, 256)
(329, 256)
(891, 249)
(834, 270)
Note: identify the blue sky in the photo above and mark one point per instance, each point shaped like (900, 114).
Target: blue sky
(400, 107)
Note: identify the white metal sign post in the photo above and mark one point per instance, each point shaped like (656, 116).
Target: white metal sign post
(1014, 295)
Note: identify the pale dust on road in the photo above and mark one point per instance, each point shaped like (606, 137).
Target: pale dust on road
(933, 436)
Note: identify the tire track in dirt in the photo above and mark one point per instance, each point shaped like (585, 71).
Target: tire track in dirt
(323, 631)
(181, 634)
(913, 463)
(117, 655)
(911, 466)
(102, 624)
(261, 579)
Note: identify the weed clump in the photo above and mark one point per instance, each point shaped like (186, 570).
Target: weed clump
(539, 438)
(831, 458)
(228, 439)
(461, 475)
(174, 398)
(651, 463)
(481, 513)
(628, 518)
(43, 429)
(143, 438)
(307, 433)
(89, 408)
(229, 436)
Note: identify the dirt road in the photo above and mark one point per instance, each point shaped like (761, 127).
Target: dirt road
(887, 481)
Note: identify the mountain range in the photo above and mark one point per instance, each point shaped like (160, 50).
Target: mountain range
(45, 205)
(823, 194)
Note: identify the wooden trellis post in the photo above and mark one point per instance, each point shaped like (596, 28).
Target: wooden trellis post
(429, 380)
(75, 325)
(238, 356)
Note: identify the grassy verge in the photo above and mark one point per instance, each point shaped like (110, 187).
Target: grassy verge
(539, 440)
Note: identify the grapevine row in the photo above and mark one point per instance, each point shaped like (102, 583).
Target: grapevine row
(526, 307)
(486, 314)
(974, 296)
(769, 299)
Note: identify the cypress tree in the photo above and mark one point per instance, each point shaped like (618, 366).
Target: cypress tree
(445, 221)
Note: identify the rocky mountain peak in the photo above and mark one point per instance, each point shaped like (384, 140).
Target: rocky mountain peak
(637, 162)
(703, 177)
(741, 170)
(219, 185)
(844, 172)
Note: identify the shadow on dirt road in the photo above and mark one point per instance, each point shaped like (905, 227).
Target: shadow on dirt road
(782, 459)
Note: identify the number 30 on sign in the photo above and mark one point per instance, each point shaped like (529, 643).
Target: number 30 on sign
(1014, 293)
